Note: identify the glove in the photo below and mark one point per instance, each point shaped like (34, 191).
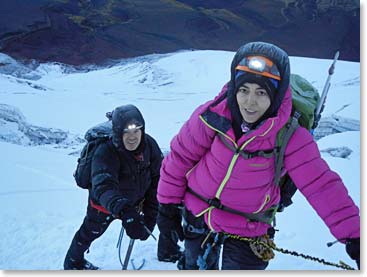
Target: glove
(353, 249)
(169, 219)
(133, 223)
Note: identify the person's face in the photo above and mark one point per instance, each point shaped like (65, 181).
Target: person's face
(253, 101)
(131, 138)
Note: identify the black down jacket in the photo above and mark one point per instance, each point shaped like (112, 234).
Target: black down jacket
(120, 179)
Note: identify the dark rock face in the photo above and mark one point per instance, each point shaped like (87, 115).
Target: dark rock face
(93, 31)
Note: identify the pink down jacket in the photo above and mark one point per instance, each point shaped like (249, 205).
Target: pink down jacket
(200, 160)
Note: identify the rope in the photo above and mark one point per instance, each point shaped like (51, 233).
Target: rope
(341, 264)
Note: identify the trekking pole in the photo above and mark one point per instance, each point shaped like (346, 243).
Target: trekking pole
(119, 242)
(321, 104)
(150, 233)
(120, 237)
(128, 254)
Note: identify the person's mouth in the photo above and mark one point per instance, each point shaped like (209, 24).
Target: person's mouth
(250, 111)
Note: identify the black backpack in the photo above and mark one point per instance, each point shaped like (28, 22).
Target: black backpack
(94, 136)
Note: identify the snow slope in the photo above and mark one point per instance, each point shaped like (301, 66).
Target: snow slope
(42, 207)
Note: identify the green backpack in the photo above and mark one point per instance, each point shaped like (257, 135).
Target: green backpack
(305, 99)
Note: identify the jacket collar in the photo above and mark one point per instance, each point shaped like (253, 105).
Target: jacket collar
(219, 116)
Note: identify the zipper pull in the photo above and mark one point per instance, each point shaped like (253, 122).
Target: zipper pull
(329, 244)
(338, 240)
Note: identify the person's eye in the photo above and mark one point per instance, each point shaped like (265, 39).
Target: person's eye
(262, 92)
(243, 90)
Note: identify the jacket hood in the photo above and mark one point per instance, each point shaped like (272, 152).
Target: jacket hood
(121, 117)
(275, 54)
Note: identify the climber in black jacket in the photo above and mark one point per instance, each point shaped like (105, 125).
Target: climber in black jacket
(125, 174)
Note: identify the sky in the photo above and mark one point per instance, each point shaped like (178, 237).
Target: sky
(42, 207)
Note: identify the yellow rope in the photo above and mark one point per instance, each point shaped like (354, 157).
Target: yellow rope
(341, 264)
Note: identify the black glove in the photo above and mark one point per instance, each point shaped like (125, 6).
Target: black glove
(169, 219)
(353, 249)
(133, 223)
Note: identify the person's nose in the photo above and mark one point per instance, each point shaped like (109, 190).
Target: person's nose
(251, 99)
(131, 136)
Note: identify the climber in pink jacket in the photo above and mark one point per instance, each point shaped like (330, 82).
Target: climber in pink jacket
(227, 192)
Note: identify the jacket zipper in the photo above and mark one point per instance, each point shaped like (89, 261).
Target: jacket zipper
(190, 171)
(230, 168)
(266, 201)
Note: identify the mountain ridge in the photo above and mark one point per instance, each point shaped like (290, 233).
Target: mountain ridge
(93, 31)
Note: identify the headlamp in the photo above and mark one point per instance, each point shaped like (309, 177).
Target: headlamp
(259, 65)
(132, 127)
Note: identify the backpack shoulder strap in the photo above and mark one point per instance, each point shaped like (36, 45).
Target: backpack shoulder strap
(282, 140)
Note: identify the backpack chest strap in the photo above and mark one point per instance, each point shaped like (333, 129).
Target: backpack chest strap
(265, 216)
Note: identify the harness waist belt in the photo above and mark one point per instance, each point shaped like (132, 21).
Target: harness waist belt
(266, 216)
